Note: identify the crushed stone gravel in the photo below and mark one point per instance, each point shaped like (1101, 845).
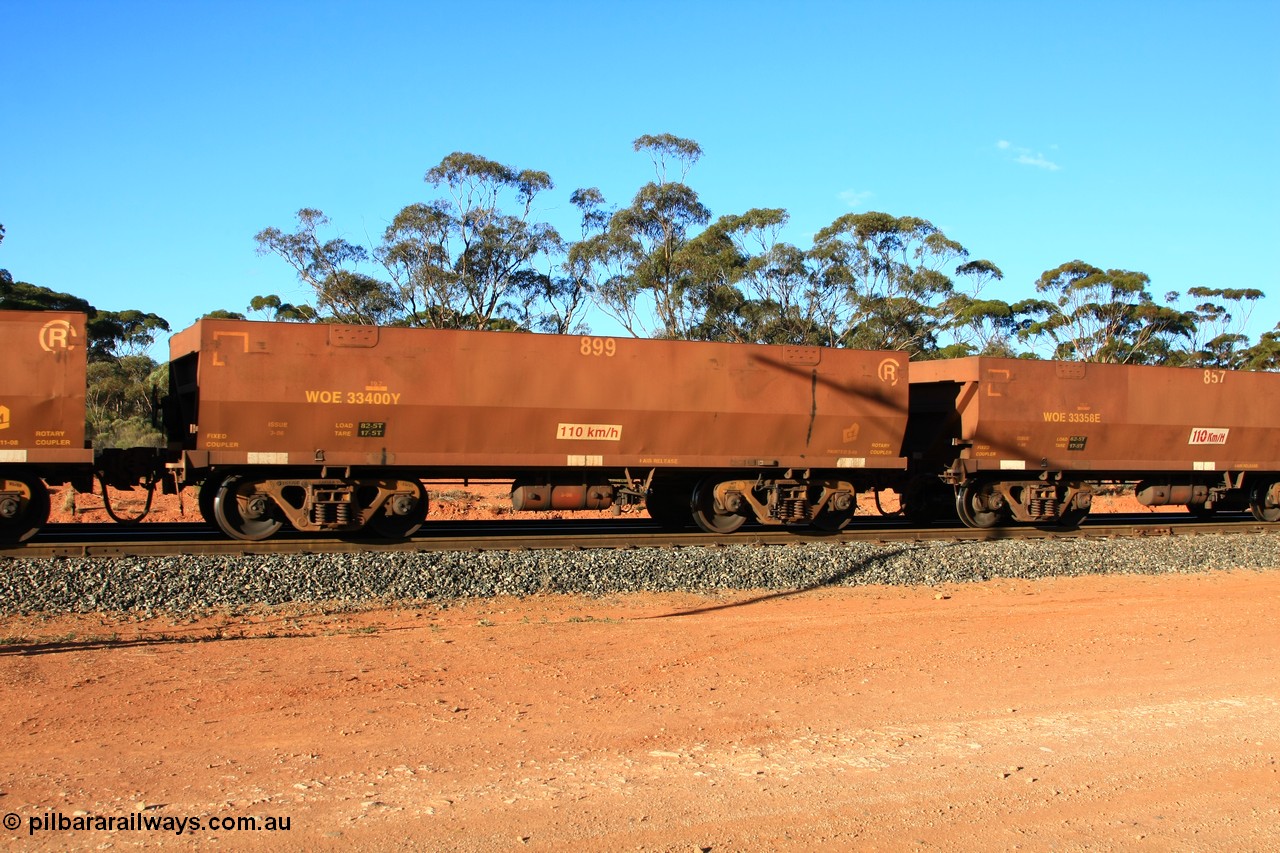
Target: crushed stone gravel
(191, 584)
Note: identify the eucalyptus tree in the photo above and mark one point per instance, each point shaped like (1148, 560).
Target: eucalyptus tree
(1265, 354)
(1104, 315)
(272, 307)
(885, 279)
(110, 334)
(560, 298)
(330, 268)
(5, 277)
(121, 334)
(639, 267)
(979, 325)
(25, 296)
(122, 401)
(586, 262)
(1221, 316)
(767, 283)
(715, 308)
(474, 257)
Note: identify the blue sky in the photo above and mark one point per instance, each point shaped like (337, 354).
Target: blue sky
(142, 145)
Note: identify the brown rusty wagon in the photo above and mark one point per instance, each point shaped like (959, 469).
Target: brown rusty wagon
(42, 415)
(1031, 440)
(331, 427)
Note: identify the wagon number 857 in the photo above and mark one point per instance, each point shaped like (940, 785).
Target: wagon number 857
(1215, 377)
(606, 347)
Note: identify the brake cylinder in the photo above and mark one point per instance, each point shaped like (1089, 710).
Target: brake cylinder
(544, 497)
(1166, 494)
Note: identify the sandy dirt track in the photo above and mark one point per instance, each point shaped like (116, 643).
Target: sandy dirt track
(1136, 713)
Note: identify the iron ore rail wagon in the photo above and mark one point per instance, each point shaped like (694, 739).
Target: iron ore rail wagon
(42, 415)
(332, 427)
(1031, 440)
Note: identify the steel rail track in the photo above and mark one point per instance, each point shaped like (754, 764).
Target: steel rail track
(160, 539)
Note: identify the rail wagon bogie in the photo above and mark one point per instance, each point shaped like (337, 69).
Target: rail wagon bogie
(332, 428)
(1032, 441)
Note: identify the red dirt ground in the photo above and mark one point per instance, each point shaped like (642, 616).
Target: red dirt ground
(1112, 713)
(1094, 713)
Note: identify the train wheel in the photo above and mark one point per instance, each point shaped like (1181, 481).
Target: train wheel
(1261, 506)
(204, 498)
(670, 507)
(241, 513)
(24, 508)
(401, 525)
(974, 505)
(1073, 517)
(710, 517)
(837, 514)
(831, 521)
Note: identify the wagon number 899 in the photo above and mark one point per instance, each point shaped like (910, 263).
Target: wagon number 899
(606, 347)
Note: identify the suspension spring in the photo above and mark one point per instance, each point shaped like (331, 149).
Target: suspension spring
(1043, 508)
(794, 510)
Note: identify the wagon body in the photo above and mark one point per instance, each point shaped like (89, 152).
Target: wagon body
(42, 389)
(332, 427)
(254, 393)
(1019, 414)
(42, 409)
(1032, 440)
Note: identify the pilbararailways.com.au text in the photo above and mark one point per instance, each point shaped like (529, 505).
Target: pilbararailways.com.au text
(140, 822)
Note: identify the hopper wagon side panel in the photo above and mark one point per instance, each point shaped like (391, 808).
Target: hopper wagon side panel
(42, 390)
(278, 393)
(1074, 416)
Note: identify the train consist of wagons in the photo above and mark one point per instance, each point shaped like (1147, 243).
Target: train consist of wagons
(334, 428)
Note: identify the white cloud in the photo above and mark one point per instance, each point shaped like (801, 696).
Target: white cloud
(1028, 157)
(856, 198)
(1038, 161)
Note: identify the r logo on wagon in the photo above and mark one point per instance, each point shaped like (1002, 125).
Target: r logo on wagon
(57, 335)
(1208, 435)
(888, 371)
